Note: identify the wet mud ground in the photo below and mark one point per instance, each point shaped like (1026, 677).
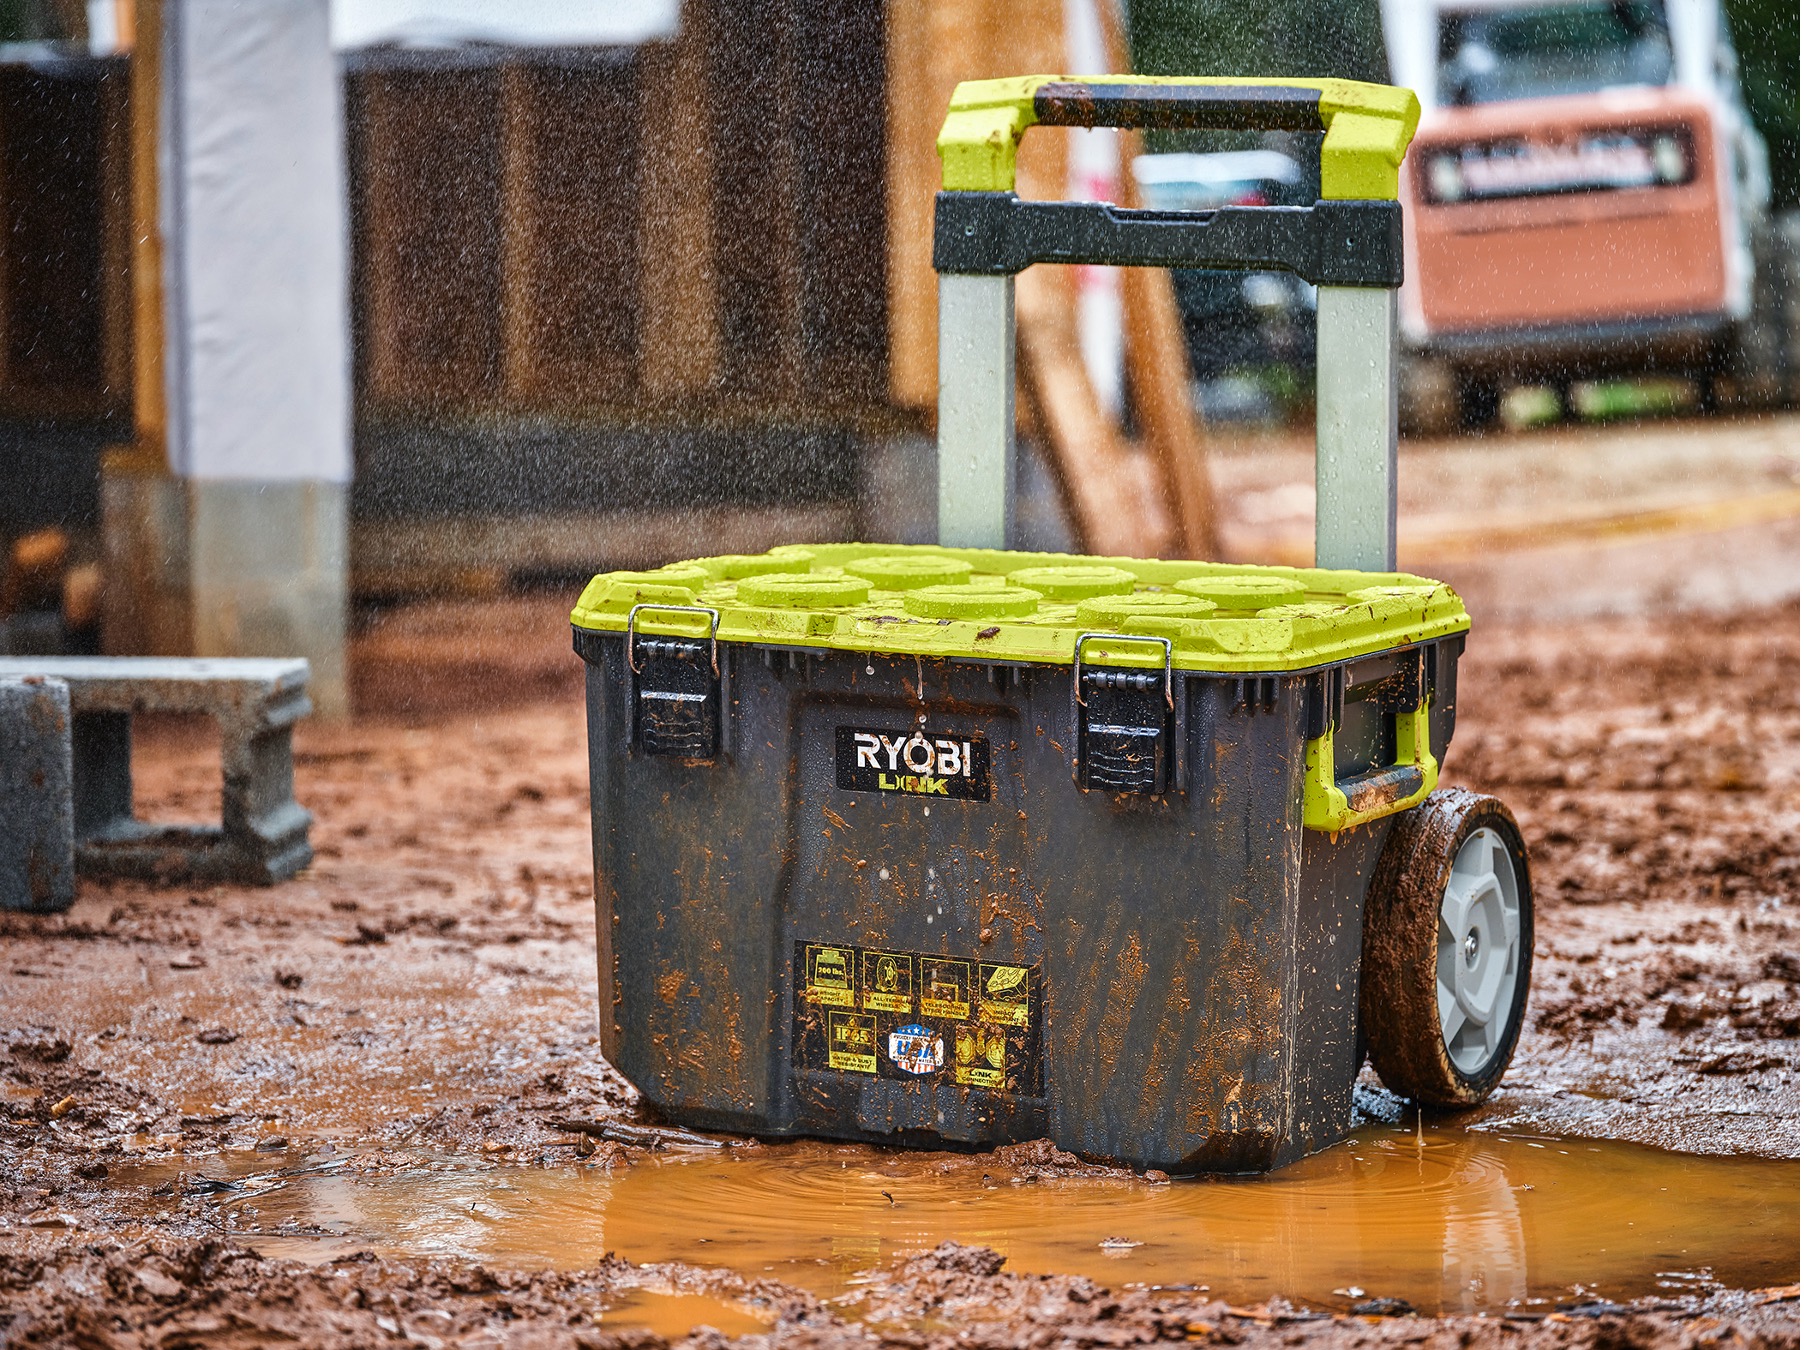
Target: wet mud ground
(182, 1066)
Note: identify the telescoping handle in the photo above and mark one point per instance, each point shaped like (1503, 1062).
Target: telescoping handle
(1349, 244)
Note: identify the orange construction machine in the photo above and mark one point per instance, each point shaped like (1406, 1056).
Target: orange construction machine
(1586, 197)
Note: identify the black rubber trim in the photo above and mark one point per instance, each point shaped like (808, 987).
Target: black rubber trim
(1340, 243)
(1165, 107)
(590, 644)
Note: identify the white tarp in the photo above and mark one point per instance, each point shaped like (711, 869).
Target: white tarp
(258, 327)
(518, 23)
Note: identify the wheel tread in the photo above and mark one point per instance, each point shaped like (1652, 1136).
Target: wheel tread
(1399, 993)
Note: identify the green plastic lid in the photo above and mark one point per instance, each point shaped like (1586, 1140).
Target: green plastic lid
(1245, 592)
(910, 571)
(649, 588)
(738, 566)
(1116, 611)
(972, 602)
(1076, 581)
(1379, 594)
(803, 590)
(984, 604)
(683, 573)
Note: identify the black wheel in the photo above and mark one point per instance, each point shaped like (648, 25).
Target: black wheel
(1480, 402)
(1763, 350)
(1569, 409)
(1449, 943)
(1427, 396)
(1708, 380)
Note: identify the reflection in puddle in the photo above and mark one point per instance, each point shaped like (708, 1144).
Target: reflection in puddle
(675, 1315)
(1448, 1222)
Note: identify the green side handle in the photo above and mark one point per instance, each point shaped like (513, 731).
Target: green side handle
(1331, 805)
(1368, 126)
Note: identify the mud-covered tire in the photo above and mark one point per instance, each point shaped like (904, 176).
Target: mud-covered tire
(1427, 396)
(1457, 856)
(1763, 353)
(1480, 402)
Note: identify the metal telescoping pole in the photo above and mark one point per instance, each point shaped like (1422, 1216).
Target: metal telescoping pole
(977, 410)
(1356, 428)
(1349, 244)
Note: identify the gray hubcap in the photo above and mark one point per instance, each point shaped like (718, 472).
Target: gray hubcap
(1480, 950)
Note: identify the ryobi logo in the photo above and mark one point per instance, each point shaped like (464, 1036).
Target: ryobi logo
(872, 760)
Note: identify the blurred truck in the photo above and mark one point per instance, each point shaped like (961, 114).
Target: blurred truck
(1586, 198)
(1250, 335)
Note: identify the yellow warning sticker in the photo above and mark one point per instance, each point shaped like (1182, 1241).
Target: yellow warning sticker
(1003, 1000)
(882, 1014)
(887, 979)
(945, 987)
(852, 1042)
(980, 1056)
(829, 976)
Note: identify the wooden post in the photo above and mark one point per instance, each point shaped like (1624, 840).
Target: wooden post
(431, 233)
(934, 44)
(118, 237)
(146, 606)
(680, 350)
(149, 407)
(916, 105)
(372, 112)
(519, 251)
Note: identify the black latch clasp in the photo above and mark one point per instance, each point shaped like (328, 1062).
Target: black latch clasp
(1124, 721)
(674, 688)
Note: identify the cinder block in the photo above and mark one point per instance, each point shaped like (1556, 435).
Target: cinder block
(37, 817)
(262, 836)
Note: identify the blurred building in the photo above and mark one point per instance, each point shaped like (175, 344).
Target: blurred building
(625, 280)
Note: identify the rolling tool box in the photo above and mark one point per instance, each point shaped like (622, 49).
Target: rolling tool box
(961, 846)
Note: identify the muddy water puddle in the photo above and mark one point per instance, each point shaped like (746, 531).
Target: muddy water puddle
(1446, 1221)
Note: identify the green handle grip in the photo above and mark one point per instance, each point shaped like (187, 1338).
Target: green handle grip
(1331, 805)
(1368, 126)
